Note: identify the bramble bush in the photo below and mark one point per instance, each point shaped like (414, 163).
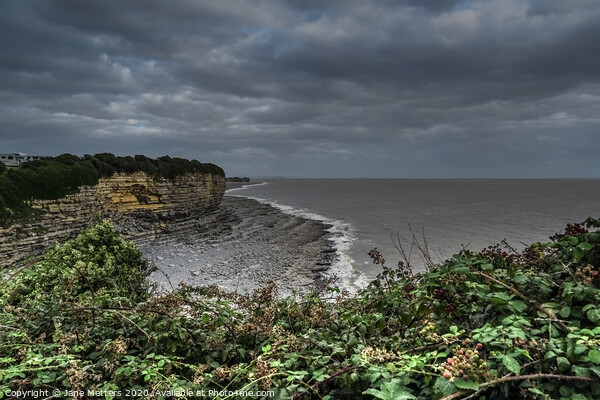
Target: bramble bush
(494, 324)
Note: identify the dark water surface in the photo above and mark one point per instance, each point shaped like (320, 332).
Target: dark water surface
(366, 213)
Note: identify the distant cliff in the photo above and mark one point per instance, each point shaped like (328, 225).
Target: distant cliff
(141, 204)
(237, 179)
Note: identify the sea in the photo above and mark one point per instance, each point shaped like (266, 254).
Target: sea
(436, 217)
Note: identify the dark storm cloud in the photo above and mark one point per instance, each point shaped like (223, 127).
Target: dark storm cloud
(309, 88)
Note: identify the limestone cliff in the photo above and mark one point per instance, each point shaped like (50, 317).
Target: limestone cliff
(140, 206)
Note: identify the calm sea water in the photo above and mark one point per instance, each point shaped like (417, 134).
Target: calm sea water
(450, 214)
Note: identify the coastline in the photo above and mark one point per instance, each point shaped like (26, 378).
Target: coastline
(243, 246)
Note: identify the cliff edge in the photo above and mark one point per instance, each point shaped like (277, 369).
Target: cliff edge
(140, 204)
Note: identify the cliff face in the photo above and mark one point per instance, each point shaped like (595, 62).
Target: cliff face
(140, 207)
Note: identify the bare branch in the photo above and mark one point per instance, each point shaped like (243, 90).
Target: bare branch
(494, 382)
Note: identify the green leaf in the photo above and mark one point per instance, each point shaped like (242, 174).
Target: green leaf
(517, 306)
(500, 298)
(563, 363)
(594, 315)
(461, 270)
(584, 246)
(594, 356)
(443, 386)
(320, 375)
(580, 349)
(581, 371)
(588, 307)
(266, 349)
(565, 312)
(578, 253)
(487, 267)
(463, 384)
(520, 278)
(551, 305)
(391, 391)
(578, 396)
(512, 365)
(565, 391)
(536, 391)
(593, 237)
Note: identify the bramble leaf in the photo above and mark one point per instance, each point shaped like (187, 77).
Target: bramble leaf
(563, 363)
(464, 384)
(594, 356)
(512, 365)
(391, 391)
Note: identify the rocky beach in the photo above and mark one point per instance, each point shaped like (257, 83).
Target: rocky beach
(243, 246)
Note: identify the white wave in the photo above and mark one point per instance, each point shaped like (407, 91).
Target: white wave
(340, 234)
(245, 187)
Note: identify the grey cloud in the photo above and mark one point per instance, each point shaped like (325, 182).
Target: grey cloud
(389, 87)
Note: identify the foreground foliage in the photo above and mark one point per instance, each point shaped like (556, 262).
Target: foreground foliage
(56, 177)
(490, 325)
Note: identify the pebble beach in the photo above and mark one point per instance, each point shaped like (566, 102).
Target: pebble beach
(243, 246)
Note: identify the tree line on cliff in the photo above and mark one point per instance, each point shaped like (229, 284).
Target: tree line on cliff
(494, 324)
(56, 177)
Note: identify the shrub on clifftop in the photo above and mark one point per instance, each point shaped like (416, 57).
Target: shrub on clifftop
(163, 167)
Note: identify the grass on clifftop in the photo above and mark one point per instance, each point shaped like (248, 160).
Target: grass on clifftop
(495, 324)
(56, 177)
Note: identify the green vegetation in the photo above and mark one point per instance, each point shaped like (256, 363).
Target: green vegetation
(162, 167)
(491, 325)
(56, 177)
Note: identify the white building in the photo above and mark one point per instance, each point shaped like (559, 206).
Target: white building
(16, 159)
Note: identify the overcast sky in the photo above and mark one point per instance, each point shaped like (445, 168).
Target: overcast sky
(309, 88)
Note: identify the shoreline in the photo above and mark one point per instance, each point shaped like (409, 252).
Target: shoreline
(242, 246)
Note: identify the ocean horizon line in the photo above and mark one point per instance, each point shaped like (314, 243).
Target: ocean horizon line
(423, 178)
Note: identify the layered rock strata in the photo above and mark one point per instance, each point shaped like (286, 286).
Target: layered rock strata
(140, 206)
